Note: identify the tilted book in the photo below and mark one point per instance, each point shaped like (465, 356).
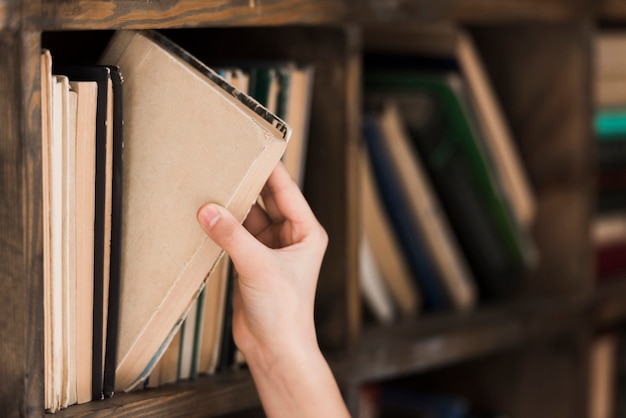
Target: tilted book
(190, 138)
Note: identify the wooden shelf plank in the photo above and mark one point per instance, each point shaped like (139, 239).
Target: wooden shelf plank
(430, 343)
(205, 397)
(117, 14)
(104, 14)
(611, 10)
(386, 352)
(468, 11)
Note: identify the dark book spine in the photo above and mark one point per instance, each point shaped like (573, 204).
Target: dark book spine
(110, 358)
(433, 292)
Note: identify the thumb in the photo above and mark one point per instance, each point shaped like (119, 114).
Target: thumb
(224, 229)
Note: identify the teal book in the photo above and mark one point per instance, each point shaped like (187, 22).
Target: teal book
(610, 124)
(445, 133)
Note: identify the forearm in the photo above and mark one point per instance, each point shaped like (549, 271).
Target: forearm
(296, 382)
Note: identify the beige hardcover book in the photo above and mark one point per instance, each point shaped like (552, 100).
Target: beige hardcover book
(373, 287)
(609, 47)
(497, 133)
(297, 116)
(168, 363)
(69, 241)
(603, 375)
(87, 95)
(46, 127)
(385, 247)
(428, 214)
(212, 324)
(609, 68)
(190, 138)
(56, 245)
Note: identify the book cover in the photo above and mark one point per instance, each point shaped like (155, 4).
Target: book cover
(212, 323)
(189, 138)
(87, 96)
(112, 322)
(374, 290)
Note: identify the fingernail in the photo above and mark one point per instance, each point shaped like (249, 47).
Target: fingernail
(209, 216)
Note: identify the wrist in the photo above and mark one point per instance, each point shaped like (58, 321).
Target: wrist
(281, 353)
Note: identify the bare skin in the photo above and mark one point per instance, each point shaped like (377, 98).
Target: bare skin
(277, 254)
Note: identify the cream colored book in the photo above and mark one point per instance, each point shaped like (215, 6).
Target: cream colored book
(298, 111)
(609, 68)
(69, 243)
(373, 287)
(190, 138)
(50, 400)
(212, 325)
(56, 247)
(87, 95)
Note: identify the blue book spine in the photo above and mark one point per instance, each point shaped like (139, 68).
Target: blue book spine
(394, 201)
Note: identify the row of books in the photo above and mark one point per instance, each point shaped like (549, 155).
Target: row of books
(135, 294)
(444, 183)
(609, 127)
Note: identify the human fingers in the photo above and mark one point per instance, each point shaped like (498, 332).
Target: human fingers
(284, 200)
(257, 220)
(224, 229)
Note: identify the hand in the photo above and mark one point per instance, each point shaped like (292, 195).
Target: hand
(277, 260)
(277, 255)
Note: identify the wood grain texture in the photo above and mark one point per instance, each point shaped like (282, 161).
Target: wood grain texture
(431, 343)
(116, 14)
(485, 11)
(208, 396)
(541, 73)
(541, 379)
(21, 244)
(611, 10)
(102, 14)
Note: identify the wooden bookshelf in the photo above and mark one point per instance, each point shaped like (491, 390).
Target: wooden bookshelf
(538, 56)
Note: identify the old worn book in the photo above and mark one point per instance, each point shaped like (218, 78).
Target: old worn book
(87, 95)
(190, 138)
(214, 306)
(46, 129)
